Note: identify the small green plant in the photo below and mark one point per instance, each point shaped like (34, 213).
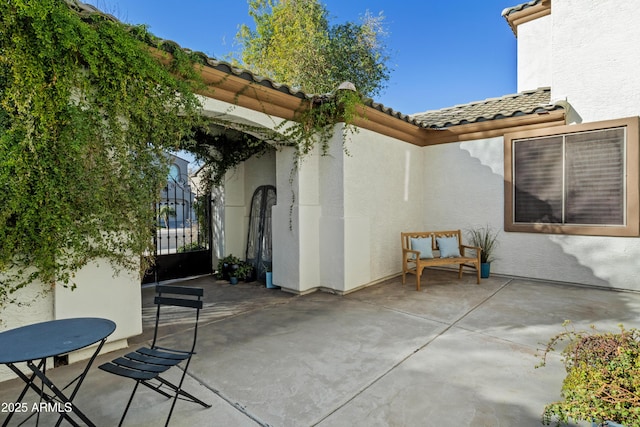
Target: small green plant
(487, 239)
(224, 265)
(603, 377)
(190, 247)
(243, 271)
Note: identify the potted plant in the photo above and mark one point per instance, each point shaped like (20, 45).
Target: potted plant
(225, 266)
(603, 378)
(487, 239)
(244, 271)
(240, 271)
(233, 273)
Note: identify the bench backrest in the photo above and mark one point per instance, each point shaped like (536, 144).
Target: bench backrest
(406, 237)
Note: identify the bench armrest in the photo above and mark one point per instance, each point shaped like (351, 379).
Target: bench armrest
(409, 251)
(475, 248)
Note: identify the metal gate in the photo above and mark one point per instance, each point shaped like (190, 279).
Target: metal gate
(182, 236)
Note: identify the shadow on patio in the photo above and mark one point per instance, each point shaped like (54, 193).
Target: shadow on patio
(454, 354)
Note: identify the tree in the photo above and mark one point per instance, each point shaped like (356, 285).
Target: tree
(86, 114)
(165, 212)
(293, 43)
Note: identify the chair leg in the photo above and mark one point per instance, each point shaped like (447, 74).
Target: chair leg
(404, 274)
(126, 409)
(179, 392)
(418, 276)
(478, 272)
(460, 271)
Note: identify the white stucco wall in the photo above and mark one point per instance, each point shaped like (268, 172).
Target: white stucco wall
(534, 54)
(586, 52)
(101, 292)
(231, 206)
(595, 57)
(296, 224)
(296, 230)
(348, 214)
(240, 183)
(350, 211)
(235, 199)
(384, 196)
(474, 196)
(98, 293)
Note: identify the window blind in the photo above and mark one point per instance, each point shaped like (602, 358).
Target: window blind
(594, 177)
(574, 178)
(538, 180)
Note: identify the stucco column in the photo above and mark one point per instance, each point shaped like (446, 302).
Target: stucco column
(295, 218)
(332, 224)
(235, 215)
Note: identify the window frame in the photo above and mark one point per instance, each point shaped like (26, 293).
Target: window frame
(632, 181)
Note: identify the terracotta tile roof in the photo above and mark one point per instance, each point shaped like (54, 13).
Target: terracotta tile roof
(490, 109)
(518, 104)
(169, 46)
(520, 7)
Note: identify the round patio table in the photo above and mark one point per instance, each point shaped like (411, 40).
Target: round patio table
(39, 341)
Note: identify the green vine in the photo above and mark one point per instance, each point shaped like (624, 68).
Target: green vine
(86, 115)
(315, 126)
(221, 146)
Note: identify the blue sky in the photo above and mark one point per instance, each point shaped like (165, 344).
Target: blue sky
(444, 53)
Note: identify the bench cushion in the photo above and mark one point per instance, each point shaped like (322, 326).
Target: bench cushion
(422, 245)
(449, 247)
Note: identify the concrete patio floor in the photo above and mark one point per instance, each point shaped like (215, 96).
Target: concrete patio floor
(453, 354)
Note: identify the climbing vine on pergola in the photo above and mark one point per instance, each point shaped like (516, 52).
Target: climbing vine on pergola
(86, 114)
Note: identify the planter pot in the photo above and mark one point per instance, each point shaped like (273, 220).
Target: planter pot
(233, 280)
(251, 277)
(269, 280)
(485, 269)
(226, 268)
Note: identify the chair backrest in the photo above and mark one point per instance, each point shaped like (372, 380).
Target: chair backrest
(178, 296)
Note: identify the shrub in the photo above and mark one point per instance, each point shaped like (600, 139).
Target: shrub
(603, 377)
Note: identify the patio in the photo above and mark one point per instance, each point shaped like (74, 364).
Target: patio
(453, 354)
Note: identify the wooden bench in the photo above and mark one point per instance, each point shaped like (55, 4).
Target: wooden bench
(414, 261)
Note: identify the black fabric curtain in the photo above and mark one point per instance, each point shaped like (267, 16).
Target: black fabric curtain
(259, 250)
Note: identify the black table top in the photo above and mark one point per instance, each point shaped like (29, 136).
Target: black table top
(52, 338)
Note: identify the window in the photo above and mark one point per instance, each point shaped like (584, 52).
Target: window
(174, 173)
(578, 179)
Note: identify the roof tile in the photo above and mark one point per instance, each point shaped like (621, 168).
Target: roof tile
(520, 7)
(490, 109)
(519, 104)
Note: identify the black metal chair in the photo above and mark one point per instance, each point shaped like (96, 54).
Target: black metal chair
(147, 363)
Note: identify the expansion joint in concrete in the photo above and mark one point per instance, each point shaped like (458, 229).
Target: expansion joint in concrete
(420, 348)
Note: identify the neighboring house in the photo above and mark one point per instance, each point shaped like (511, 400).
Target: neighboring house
(178, 194)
